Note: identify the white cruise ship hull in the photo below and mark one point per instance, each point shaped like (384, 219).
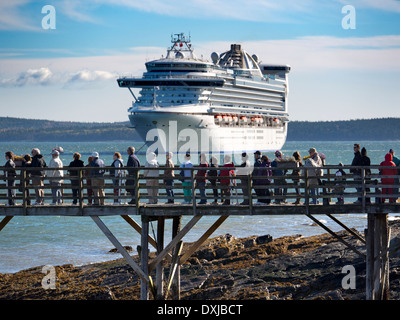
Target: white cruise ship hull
(196, 133)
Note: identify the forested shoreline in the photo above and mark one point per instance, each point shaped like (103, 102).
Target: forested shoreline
(18, 129)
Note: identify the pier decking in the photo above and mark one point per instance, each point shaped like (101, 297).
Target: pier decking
(304, 194)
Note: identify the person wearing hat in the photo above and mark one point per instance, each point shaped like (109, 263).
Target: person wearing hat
(38, 175)
(314, 161)
(74, 174)
(357, 161)
(396, 180)
(55, 177)
(226, 183)
(151, 183)
(133, 162)
(243, 172)
(97, 177)
(169, 175)
(187, 181)
(10, 175)
(279, 181)
(340, 178)
(212, 175)
(201, 178)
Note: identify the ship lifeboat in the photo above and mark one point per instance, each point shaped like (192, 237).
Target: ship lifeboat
(218, 118)
(243, 119)
(261, 120)
(229, 117)
(235, 119)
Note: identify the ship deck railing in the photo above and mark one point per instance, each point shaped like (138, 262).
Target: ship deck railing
(360, 193)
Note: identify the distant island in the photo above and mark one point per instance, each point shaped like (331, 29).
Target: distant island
(380, 129)
(17, 129)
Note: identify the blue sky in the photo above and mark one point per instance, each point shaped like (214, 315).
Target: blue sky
(69, 73)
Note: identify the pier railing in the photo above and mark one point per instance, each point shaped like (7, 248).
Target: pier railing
(311, 186)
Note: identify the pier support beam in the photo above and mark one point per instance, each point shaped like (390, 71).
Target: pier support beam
(176, 280)
(377, 265)
(144, 258)
(160, 267)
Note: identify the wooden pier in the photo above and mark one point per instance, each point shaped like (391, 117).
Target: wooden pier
(304, 194)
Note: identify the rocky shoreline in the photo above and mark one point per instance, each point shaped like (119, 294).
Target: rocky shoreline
(224, 268)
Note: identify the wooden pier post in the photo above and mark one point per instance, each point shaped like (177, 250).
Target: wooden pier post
(176, 281)
(144, 258)
(377, 271)
(160, 267)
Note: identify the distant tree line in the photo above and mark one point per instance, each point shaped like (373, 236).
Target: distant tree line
(381, 129)
(16, 129)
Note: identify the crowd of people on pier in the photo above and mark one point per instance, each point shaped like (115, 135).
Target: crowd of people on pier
(223, 179)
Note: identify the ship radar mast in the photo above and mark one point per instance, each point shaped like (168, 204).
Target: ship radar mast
(180, 45)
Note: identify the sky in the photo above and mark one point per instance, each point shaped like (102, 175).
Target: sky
(62, 63)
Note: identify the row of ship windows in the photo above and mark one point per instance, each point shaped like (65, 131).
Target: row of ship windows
(175, 65)
(151, 90)
(169, 95)
(173, 101)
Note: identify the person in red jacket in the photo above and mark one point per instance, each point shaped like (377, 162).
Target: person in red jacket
(226, 183)
(388, 172)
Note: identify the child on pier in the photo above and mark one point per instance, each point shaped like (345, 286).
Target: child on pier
(339, 188)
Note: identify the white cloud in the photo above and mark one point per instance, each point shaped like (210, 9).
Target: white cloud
(88, 76)
(41, 76)
(12, 17)
(304, 54)
(44, 76)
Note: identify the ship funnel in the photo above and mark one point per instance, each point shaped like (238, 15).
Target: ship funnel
(236, 48)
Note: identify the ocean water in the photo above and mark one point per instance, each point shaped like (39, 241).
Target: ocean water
(34, 241)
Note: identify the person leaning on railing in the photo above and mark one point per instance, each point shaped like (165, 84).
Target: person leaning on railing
(243, 173)
(38, 175)
(152, 184)
(10, 175)
(227, 183)
(388, 181)
(186, 179)
(26, 163)
(97, 175)
(89, 181)
(213, 177)
(76, 163)
(133, 162)
(169, 176)
(296, 175)
(56, 177)
(116, 173)
(201, 177)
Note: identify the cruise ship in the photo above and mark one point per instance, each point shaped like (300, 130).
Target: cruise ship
(233, 103)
